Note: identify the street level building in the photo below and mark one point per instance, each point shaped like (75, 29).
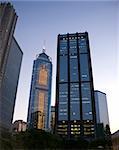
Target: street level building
(19, 126)
(52, 118)
(75, 104)
(40, 93)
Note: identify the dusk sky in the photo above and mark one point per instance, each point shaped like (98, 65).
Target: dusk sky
(39, 21)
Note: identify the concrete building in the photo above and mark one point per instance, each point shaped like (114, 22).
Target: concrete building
(10, 64)
(19, 126)
(75, 104)
(40, 93)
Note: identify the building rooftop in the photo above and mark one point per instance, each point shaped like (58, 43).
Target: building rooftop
(116, 133)
(44, 56)
(99, 91)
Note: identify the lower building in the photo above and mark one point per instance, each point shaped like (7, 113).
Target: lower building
(19, 126)
(101, 108)
(52, 118)
(38, 119)
(115, 140)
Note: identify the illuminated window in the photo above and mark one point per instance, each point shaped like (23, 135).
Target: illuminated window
(41, 114)
(63, 126)
(74, 113)
(43, 75)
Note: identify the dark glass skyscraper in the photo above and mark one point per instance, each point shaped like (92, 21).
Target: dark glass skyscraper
(8, 20)
(40, 93)
(10, 64)
(75, 104)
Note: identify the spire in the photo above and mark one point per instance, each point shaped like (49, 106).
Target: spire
(44, 49)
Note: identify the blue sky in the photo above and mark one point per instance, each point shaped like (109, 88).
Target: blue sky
(39, 21)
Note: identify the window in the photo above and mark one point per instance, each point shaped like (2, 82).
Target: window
(82, 45)
(86, 101)
(73, 69)
(74, 102)
(63, 69)
(63, 47)
(84, 67)
(41, 110)
(63, 100)
(73, 47)
(43, 75)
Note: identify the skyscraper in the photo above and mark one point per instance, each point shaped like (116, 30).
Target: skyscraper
(101, 108)
(75, 104)
(10, 64)
(40, 93)
(8, 20)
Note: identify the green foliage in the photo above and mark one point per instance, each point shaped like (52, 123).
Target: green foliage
(5, 144)
(35, 139)
(5, 141)
(97, 143)
(39, 140)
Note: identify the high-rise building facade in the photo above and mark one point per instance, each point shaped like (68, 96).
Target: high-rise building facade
(8, 20)
(10, 64)
(40, 93)
(75, 104)
(101, 108)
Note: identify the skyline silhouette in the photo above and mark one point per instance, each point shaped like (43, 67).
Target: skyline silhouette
(39, 21)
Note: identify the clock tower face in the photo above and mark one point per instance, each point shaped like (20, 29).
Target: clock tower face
(43, 75)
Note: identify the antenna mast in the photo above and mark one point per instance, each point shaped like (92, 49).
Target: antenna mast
(44, 49)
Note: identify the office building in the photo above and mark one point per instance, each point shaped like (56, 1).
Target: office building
(8, 20)
(101, 108)
(40, 93)
(75, 104)
(19, 126)
(10, 64)
(52, 118)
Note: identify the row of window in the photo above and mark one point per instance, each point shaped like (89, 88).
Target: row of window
(75, 129)
(75, 101)
(74, 91)
(81, 37)
(73, 46)
(62, 133)
(88, 129)
(88, 133)
(73, 50)
(74, 115)
(74, 73)
(75, 132)
(62, 126)
(62, 129)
